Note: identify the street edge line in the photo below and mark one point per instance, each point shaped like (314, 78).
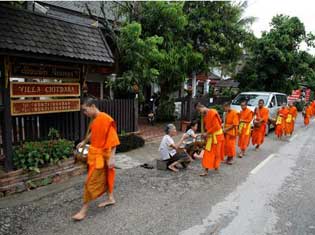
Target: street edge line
(293, 137)
(260, 165)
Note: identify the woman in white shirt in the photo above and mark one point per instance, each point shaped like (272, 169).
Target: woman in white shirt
(169, 150)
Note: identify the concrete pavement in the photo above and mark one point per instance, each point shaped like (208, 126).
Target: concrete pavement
(235, 200)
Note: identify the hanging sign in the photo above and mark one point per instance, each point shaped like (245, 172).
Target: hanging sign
(44, 71)
(35, 89)
(29, 107)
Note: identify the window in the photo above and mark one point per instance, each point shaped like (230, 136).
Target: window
(281, 99)
(252, 99)
(273, 102)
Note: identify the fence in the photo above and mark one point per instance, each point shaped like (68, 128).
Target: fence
(71, 125)
(124, 112)
(188, 103)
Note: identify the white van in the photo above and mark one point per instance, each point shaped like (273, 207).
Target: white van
(273, 101)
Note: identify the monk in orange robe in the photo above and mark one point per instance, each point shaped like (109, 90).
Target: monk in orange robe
(290, 121)
(260, 122)
(313, 107)
(103, 140)
(281, 121)
(246, 116)
(214, 149)
(230, 132)
(307, 113)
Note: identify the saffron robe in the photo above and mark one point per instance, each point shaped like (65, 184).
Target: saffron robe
(231, 119)
(281, 121)
(307, 115)
(290, 121)
(246, 116)
(312, 108)
(214, 150)
(258, 135)
(103, 138)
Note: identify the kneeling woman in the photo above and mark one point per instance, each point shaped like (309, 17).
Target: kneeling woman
(169, 151)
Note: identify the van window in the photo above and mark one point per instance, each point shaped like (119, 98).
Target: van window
(252, 99)
(272, 102)
(281, 99)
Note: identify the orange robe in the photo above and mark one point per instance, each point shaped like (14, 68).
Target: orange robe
(312, 108)
(246, 117)
(231, 119)
(214, 150)
(103, 138)
(290, 121)
(307, 115)
(258, 135)
(281, 121)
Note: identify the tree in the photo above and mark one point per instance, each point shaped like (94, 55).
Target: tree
(218, 31)
(166, 20)
(138, 59)
(275, 61)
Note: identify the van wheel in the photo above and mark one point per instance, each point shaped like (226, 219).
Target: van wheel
(267, 129)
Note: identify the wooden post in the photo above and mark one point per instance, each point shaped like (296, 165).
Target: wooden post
(136, 115)
(7, 119)
(82, 117)
(190, 108)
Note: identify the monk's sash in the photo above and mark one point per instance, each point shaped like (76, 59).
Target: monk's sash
(232, 131)
(289, 118)
(212, 138)
(246, 126)
(96, 157)
(279, 120)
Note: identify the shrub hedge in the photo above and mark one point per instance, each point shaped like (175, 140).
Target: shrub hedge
(129, 142)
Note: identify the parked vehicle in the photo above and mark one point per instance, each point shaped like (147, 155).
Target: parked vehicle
(273, 101)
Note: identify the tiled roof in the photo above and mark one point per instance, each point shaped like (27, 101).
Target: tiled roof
(80, 6)
(24, 31)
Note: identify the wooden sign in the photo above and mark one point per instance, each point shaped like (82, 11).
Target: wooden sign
(34, 89)
(28, 107)
(47, 71)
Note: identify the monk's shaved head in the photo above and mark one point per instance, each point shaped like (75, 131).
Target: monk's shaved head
(243, 102)
(88, 102)
(227, 104)
(199, 105)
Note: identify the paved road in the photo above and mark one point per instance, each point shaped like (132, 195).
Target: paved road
(268, 192)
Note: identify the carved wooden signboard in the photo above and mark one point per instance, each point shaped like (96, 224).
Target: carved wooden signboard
(27, 107)
(33, 89)
(47, 71)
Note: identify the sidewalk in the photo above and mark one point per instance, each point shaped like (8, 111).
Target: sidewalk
(147, 154)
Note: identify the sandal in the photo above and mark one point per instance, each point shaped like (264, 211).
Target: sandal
(147, 166)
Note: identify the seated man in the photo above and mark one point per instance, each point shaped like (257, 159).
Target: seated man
(169, 151)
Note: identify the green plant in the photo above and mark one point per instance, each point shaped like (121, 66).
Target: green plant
(33, 155)
(53, 134)
(300, 105)
(122, 133)
(219, 109)
(166, 110)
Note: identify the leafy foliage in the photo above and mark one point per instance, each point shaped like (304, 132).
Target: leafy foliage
(138, 58)
(218, 31)
(33, 155)
(275, 61)
(166, 110)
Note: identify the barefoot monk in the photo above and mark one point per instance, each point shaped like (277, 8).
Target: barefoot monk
(246, 117)
(214, 149)
(260, 124)
(103, 140)
(230, 132)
